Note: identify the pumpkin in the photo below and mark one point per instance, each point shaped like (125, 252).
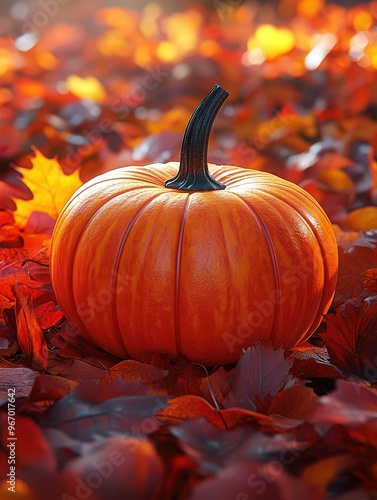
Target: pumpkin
(191, 258)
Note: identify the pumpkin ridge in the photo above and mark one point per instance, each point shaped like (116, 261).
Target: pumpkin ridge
(75, 246)
(153, 171)
(304, 194)
(73, 253)
(272, 252)
(116, 266)
(177, 328)
(326, 270)
(317, 239)
(90, 184)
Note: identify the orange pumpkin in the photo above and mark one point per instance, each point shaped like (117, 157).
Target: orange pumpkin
(202, 265)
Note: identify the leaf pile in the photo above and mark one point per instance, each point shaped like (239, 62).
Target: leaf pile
(84, 91)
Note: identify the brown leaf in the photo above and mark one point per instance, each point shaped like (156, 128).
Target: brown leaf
(297, 402)
(131, 371)
(259, 375)
(19, 379)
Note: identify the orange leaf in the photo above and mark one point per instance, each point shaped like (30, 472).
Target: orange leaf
(193, 407)
(29, 332)
(361, 219)
(50, 186)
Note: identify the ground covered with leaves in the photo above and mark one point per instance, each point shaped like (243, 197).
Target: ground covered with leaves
(87, 88)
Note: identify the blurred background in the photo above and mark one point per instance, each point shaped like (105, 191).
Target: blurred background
(101, 84)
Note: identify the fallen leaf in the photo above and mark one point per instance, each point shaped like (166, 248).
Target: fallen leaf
(312, 362)
(91, 411)
(361, 219)
(351, 337)
(259, 375)
(51, 188)
(193, 407)
(29, 332)
(19, 379)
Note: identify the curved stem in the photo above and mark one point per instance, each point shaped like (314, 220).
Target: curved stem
(193, 172)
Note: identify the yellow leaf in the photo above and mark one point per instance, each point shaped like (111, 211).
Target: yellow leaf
(51, 188)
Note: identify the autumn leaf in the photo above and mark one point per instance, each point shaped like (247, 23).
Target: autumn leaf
(351, 337)
(92, 411)
(312, 362)
(260, 374)
(353, 263)
(50, 186)
(29, 332)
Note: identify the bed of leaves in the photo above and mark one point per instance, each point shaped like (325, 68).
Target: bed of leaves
(87, 88)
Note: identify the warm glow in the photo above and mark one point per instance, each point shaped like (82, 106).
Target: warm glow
(47, 61)
(209, 48)
(113, 43)
(148, 22)
(309, 8)
(142, 56)
(182, 30)
(272, 41)
(362, 20)
(6, 61)
(88, 87)
(117, 17)
(166, 51)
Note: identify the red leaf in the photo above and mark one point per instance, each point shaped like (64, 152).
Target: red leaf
(351, 337)
(10, 235)
(29, 332)
(45, 391)
(131, 371)
(48, 315)
(311, 361)
(370, 282)
(351, 404)
(352, 264)
(76, 369)
(193, 407)
(297, 402)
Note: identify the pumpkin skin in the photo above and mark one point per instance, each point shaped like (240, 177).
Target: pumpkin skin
(140, 268)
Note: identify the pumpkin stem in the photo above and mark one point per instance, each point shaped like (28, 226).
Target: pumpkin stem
(193, 172)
